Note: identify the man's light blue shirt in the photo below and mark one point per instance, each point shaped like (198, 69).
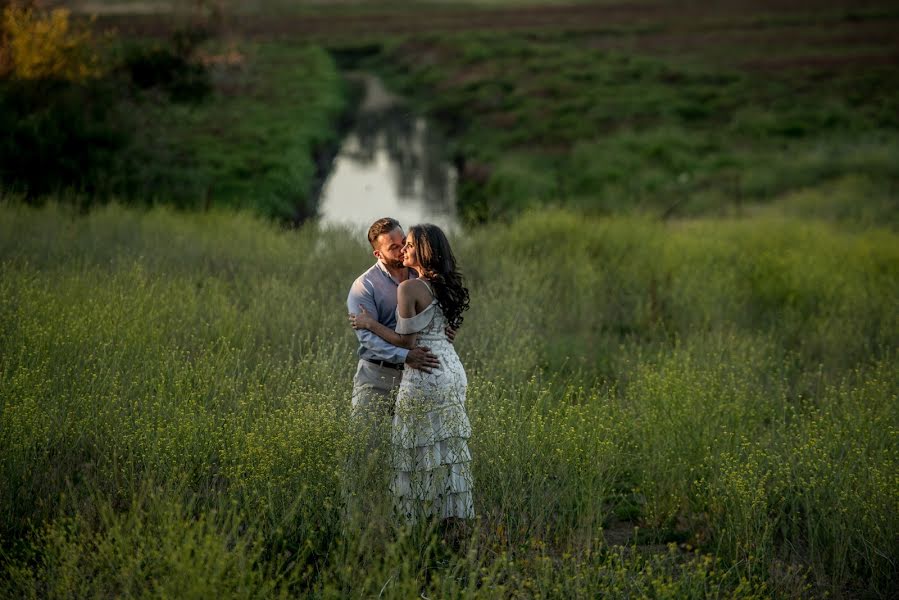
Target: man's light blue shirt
(376, 291)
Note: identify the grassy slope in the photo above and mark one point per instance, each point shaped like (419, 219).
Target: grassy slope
(661, 110)
(254, 143)
(668, 117)
(175, 394)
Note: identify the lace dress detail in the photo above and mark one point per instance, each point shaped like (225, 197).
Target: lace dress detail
(431, 460)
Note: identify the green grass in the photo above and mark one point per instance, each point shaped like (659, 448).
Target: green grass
(680, 113)
(614, 124)
(175, 410)
(702, 407)
(254, 143)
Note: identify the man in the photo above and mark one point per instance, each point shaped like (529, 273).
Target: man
(381, 364)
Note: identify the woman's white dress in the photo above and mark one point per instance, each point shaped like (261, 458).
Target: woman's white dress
(431, 429)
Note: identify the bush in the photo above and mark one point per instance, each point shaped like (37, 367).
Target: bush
(58, 110)
(63, 115)
(171, 68)
(59, 134)
(40, 45)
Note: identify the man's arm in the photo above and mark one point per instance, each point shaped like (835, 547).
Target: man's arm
(379, 349)
(363, 320)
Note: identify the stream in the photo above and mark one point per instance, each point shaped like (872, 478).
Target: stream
(391, 163)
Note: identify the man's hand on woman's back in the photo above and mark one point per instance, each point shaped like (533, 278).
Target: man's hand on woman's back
(421, 358)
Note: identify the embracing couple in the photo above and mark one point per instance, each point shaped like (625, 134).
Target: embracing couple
(405, 310)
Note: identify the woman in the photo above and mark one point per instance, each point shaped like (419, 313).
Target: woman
(430, 427)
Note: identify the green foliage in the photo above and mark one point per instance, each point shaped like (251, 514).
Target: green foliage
(254, 143)
(247, 130)
(162, 67)
(620, 132)
(515, 184)
(175, 410)
(174, 67)
(153, 548)
(57, 134)
(850, 201)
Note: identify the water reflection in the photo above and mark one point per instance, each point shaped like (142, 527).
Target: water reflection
(391, 163)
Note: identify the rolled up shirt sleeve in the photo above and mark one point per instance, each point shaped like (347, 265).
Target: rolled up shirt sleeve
(370, 345)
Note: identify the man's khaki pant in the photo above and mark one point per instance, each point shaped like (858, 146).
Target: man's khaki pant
(369, 464)
(374, 389)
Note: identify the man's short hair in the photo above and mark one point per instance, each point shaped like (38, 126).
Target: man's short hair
(385, 225)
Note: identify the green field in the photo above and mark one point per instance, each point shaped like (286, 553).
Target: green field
(624, 121)
(699, 409)
(682, 246)
(645, 110)
(603, 109)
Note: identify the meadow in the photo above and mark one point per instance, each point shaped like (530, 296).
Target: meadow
(703, 408)
(621, 109)
(663, 119)
(682, 348)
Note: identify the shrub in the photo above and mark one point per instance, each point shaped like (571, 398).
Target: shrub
(171, 68)
(59, 134)
(48, 45)
(57, 107)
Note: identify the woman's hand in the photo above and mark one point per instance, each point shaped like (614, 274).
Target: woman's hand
(361, 321)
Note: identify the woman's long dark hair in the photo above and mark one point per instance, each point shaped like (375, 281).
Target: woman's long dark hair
(439, 267)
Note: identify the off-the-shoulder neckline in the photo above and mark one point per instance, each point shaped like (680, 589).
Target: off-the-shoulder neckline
(431, 305)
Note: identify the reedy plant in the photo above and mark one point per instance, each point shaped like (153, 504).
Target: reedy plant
(747, 407)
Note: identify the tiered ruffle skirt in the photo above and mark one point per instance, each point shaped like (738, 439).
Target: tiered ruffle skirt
(432, 464)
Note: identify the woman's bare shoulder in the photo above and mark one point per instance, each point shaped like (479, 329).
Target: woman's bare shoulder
(414, 288)
(414, 283)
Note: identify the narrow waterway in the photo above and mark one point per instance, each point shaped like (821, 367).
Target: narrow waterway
(391, 163)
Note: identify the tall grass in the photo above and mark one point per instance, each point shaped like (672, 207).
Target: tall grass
(175, 414)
